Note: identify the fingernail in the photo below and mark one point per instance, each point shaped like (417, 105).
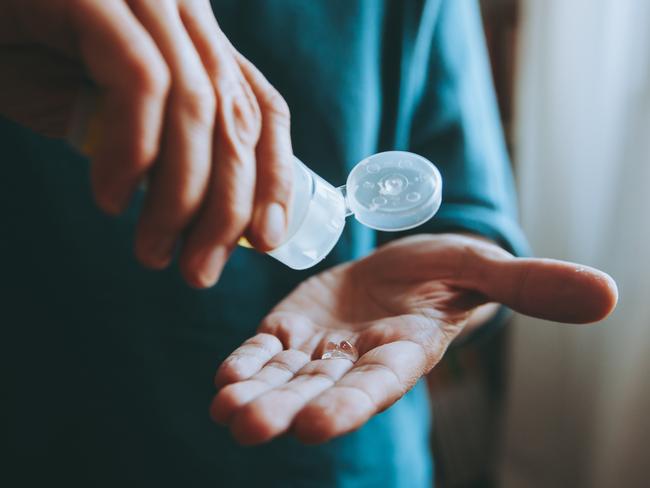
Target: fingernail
(159, 251)
(209, 266)
(274, 224)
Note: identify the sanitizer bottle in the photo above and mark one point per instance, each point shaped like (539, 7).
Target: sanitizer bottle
(389, 191)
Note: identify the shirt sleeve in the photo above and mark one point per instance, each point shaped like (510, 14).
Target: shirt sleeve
(456, 125)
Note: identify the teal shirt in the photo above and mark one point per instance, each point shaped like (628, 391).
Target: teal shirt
(110, 366)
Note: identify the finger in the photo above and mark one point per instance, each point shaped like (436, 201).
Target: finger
(228, 210)
(124, 61)
(544, 288)
(295, 330)
(247, 359)
(278, 371)
(274, 162)
(273, 152)
(380, 377)
(272, 413)
(178, 185)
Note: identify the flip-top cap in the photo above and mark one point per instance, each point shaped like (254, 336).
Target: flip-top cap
(394, 190)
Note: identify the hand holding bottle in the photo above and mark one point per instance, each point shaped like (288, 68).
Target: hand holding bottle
(180, 105)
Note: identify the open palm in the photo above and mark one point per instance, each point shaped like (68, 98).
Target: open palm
(401, 307)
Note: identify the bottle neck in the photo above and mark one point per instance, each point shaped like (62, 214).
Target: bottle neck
(344, 192)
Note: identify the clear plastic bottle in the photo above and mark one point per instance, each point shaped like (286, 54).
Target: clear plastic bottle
(389, 191)
(316, 220)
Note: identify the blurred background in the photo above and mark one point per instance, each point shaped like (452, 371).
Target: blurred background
(538, 404)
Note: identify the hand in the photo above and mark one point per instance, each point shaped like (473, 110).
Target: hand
(180, 105)
(401, 307)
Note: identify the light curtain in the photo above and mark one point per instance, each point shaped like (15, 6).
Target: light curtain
(579, 399)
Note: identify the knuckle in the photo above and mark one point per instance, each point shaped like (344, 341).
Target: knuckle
(227, 85)
(236, 216)
(248, 122)
(143, 155)
(241, 112)
(199, 102)
(277, 107)
(249, 101)
(185, 203)
(149, 75)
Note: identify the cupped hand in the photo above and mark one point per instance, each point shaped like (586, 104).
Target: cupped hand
(180, 105)
(400, 307)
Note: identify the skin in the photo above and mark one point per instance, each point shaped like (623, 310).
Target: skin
(401, 307)
(185, 110)
(180, 106)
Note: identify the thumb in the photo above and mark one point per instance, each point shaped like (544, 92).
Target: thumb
(39, 88)
(546, 288)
